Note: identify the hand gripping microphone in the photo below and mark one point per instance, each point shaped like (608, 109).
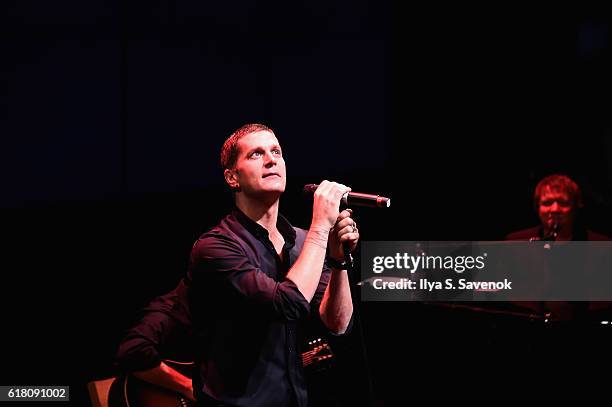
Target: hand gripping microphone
(355, 198)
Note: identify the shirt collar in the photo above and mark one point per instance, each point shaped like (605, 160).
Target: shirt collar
(282, 224)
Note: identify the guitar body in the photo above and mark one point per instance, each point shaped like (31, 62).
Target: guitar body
(129, 391)
(143, 394)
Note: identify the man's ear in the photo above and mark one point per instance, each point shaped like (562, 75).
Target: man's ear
(231, 177)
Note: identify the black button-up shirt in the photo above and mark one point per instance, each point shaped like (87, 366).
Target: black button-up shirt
(246, 314)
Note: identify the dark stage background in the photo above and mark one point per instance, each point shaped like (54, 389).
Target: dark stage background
(113, 114)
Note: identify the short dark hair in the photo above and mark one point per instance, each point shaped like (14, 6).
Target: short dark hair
(229, 151)
(558, 182)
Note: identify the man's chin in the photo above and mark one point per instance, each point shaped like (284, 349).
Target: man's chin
(278, 188)
(270, 192)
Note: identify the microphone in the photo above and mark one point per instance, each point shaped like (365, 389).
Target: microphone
(355, 198)
(556, 230)
(553, 233)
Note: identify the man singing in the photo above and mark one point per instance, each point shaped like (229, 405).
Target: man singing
(256, 278)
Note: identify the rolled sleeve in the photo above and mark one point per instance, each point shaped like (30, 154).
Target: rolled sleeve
(290, 302)
(220, 260)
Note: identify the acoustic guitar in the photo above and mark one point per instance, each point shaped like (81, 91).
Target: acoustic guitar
(129, 391)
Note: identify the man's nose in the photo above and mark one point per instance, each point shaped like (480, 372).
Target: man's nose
(555, 207)
(270, 160)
